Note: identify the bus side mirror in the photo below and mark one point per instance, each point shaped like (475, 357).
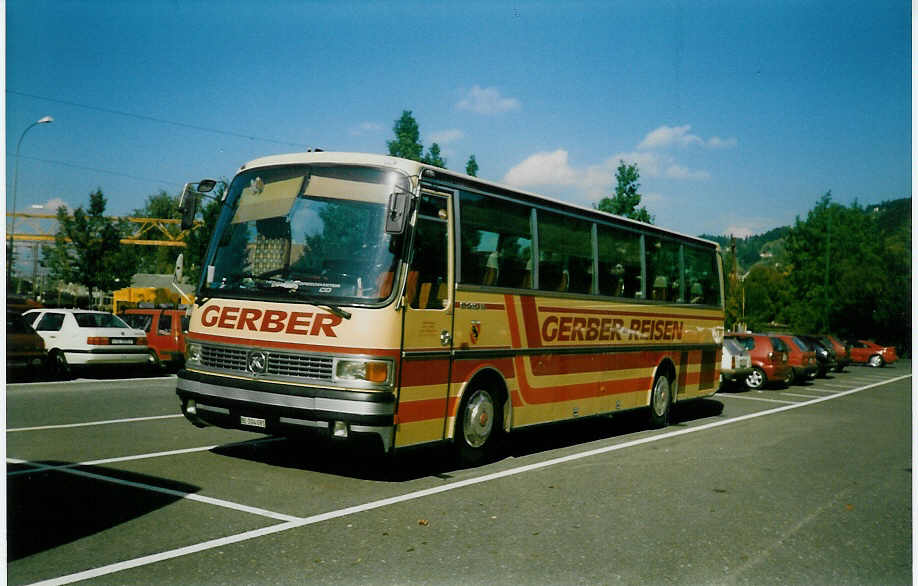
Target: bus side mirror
(188, 205)
(397, 212)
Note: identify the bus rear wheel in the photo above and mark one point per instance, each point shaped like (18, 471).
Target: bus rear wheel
(478, 423)
(661, 401)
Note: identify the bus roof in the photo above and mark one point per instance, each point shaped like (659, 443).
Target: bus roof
(415, 168)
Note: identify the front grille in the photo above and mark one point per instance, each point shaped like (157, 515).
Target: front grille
(311, 366)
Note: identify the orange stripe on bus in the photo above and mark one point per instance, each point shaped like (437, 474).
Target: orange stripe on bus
(389, 353)
(413, 411)
(628, 313)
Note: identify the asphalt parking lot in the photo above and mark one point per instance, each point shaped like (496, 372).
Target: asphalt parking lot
(808, 484)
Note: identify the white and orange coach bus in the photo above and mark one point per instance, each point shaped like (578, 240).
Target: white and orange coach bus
(364, 294)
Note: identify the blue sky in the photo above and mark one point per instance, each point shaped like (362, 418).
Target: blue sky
(740, 115)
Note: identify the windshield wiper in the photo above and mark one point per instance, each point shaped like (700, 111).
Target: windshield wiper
(293, 289)
(268, 281)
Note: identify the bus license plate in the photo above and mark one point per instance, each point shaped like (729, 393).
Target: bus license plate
(252, 421)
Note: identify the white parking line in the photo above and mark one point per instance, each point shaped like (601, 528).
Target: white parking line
(759, 399)
(90, 423)
(301, 522)
(44, 467)
(177, 493)
(799, 395)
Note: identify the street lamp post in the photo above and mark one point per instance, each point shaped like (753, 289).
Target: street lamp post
(11, 256)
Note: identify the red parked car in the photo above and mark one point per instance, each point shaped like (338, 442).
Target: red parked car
(165, 330)
(801, 358)
(769, 359)
(866, 352)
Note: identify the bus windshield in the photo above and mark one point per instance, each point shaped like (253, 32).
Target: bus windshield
(310, 233)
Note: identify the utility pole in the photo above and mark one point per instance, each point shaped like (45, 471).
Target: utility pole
(825, 319)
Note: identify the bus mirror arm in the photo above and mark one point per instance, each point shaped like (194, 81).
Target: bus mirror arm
(191, 195)
(397, 211)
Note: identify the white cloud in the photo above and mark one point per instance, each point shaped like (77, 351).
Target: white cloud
(447, 136)
(543, 169)
(365, 128)
(741, 231)
(649, 164)
(553, 170)
(667, 136)
(49, 207)
(715, 142)
(679, 172)
(487, 101)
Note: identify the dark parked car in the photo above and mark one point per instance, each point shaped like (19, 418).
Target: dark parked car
(769, 359)
(825, 355)
(25, 350)
(842, 351)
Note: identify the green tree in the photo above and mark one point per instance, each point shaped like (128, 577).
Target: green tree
(87, 248)
(157, 259)
(433, 157)
(471, 167)
(407, 138)
(626, 199)
(764, 296)
(198, 238)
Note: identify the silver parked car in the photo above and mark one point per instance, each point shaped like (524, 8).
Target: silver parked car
(735, 363)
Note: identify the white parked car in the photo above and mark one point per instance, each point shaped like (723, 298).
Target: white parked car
(81, 338)
(735, 363)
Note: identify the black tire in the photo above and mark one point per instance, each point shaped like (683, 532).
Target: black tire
(57, 364)
(661, 401)
(155, 366)
(790, 378)
(479, 423)
(756, 381)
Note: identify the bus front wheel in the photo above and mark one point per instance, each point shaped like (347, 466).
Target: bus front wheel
(478, 423)
(661, 401)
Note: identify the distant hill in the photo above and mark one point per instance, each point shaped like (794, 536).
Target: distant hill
(769, 247)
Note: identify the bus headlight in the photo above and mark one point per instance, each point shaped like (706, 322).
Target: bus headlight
(193, 353)
(373, 371)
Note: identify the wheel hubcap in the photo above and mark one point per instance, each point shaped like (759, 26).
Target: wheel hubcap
(754, 380)
(478, 419)
(661, 396)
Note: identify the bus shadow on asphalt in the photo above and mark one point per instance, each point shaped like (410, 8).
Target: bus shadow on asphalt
(367, 461)
(50, 508)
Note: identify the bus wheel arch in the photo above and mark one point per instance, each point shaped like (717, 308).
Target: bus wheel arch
(662, 393)
(482, 416)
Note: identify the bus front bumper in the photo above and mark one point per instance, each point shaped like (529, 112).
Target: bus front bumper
(284, 409)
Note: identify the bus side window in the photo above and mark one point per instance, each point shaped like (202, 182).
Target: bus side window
(663, 270)
(701, 276)
(496, 242)
(619, 262)
(565, 253)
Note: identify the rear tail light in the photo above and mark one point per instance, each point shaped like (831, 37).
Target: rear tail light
(97, 341)
(142, 341)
